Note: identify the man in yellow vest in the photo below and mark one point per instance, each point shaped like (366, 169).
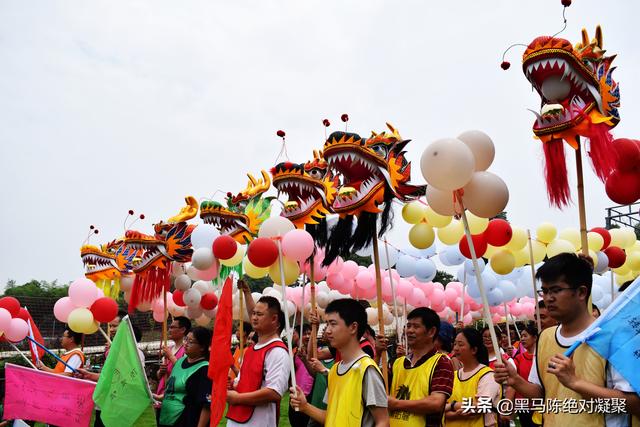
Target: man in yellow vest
(423, 379)
(566, 286)
(73, 355)
(356, 392)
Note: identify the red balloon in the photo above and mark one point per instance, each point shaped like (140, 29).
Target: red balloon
(11, 304)
(177, 298)
(623, 187)
(498, 232)
(104, 309)
(23, 314)
(208, 301)
(628, 151)
(605, 235)
(616, 256)
(224, 247)
(262, 252)
(479, 243)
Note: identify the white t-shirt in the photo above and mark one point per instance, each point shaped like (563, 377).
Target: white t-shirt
(614, 379)
(276, 372)
(74, 362)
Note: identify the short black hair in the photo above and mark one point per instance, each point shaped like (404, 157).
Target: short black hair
(595, 307)
(474, 338)
(369, 329)
(306, 327)
(184, 322)
(121, 314)
(572, 269)
(351, 311)
(274, 306)
(429, 318)
(541, 304)
(531, 329)
(496, 329)
(203, 337)
(75, 336)
(246, 327)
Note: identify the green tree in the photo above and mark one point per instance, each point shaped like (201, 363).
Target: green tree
(443, 277)
(36, 288)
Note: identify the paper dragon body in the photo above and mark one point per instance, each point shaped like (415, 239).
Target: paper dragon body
(374, 171)
(244, 213)
(579, 98)
(171, 242)
(106, 264)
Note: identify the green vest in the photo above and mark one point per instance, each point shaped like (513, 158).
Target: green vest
(320, 387)
(176, 391)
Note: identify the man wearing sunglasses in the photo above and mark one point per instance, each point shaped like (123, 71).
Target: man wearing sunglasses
(566, 286)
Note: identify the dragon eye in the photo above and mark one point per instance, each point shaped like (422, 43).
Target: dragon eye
(316, 173)
(380, 149)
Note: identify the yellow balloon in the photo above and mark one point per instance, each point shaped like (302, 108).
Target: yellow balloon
(559, 246)
(629, 238)
(421, 235)
(80, 320)
(477, 225)
(595, 241)
(546, 232)
(253, 271)
(571, 235)
(291, 271)
(539, 251)
(435, 219)
(623, 269)
(522, 257)
(634, 248)
(593, 256)
(490, 251)
(452, 233)
(237, 258)
(503, 262)
(93, 328)
(621, 279)
(518, 240)
(617, 237)
(413, 212)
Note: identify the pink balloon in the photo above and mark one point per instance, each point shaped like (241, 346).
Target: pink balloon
(417, 298)
(455, 285)
(18, 330)
(467, 318)
(437, 296)
(297, 244)
(450, 295)
(349, 270)
(158, 315)
(211, 272)
(438, 285)
(496, 318)
(335, 280)
(335, 266)
(319, 272)
(387, 294)
(83, 292)
(404, 288)
(369, 293)
(364, 280)
(62, 308)
(427, 288)
(438, 307)
(5, 319)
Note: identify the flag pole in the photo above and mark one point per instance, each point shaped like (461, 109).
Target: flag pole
(23, 356)
(533, 280)
(483, 294)
(506, 320)
(51, 353)
(464, 285)
(393, 291)
(376, 261)
(241, 321)
(106, 337)
(613, 295)
(301, 314)
(314, 310)
(581, 209)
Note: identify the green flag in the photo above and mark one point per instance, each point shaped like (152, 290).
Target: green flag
(123, 393)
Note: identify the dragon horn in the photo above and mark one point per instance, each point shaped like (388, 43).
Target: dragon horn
(394, 131)
(599, 36)
(187, 212)
(585, 37)
(252, 181)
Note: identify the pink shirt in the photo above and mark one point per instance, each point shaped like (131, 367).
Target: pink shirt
(161, 382)
(303, 377)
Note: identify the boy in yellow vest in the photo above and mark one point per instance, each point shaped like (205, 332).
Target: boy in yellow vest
(423, 379)
(73, 356)
(356, 392)
(566, 286)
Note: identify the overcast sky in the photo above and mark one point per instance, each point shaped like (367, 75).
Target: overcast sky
(107, 106)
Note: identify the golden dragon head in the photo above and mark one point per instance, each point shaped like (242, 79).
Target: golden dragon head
(310, 187)
(244, 213)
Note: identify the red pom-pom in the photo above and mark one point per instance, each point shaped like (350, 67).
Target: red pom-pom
(178, 298)
(96, 231)
(209, 301)
(566, 3)
(224, 247)
(91, 227)
(130, 211)
(623, 187)
(104, 310)
(344, 118)
(10, 304)
(616, 256)
(606, 236)
(23, 314)
(326, 123)
(280, 133)
(479, 243)
(229, 194)
(498, 232)
(141, 216)
(262, 252)
(505, 65)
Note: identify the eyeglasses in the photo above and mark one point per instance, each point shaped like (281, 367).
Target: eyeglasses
(553, 291)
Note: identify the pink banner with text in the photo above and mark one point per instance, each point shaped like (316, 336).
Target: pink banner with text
(48, 398)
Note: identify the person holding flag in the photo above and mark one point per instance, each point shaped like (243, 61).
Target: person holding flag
(566, 285)
(72, 359)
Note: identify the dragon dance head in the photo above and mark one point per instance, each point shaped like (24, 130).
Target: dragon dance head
(310, 187)
(109, 261)
(244, 213)
(578, 98)
(373, 170)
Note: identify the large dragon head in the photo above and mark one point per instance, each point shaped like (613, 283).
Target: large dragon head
(373, 170)
(244, 212)
(575, 85)
(310, 187)
(100, 261)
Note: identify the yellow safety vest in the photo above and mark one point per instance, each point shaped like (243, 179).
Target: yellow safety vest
(345, 407)
(411, 384)
(589, 366)
(467, 388)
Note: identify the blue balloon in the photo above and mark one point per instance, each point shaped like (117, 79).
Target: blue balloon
(425, 270)
(489, 280)
(495, 297)
(406, 266)
(473, 290)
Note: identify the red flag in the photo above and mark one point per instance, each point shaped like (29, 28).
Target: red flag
(34, 332)
(220, 361)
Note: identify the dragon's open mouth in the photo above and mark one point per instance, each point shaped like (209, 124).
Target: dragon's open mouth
(303, 193)
(95, 260)
(567, 88)
(361, 173)
(154, 249)
(225, 221)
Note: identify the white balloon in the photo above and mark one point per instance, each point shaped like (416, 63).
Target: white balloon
(193, 273)
(193, 312)
(182, 282)
(322, 299)
(393, 258)
(275, 226)
(192, 297)
(126, 283)
(211, 313)
(202, 258)
(372, 316)
(177, 268)
(201, 286)
(203, 236)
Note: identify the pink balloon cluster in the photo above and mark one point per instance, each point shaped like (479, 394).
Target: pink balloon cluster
(12, 326)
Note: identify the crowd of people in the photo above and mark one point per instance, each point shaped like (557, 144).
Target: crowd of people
(446, 376)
